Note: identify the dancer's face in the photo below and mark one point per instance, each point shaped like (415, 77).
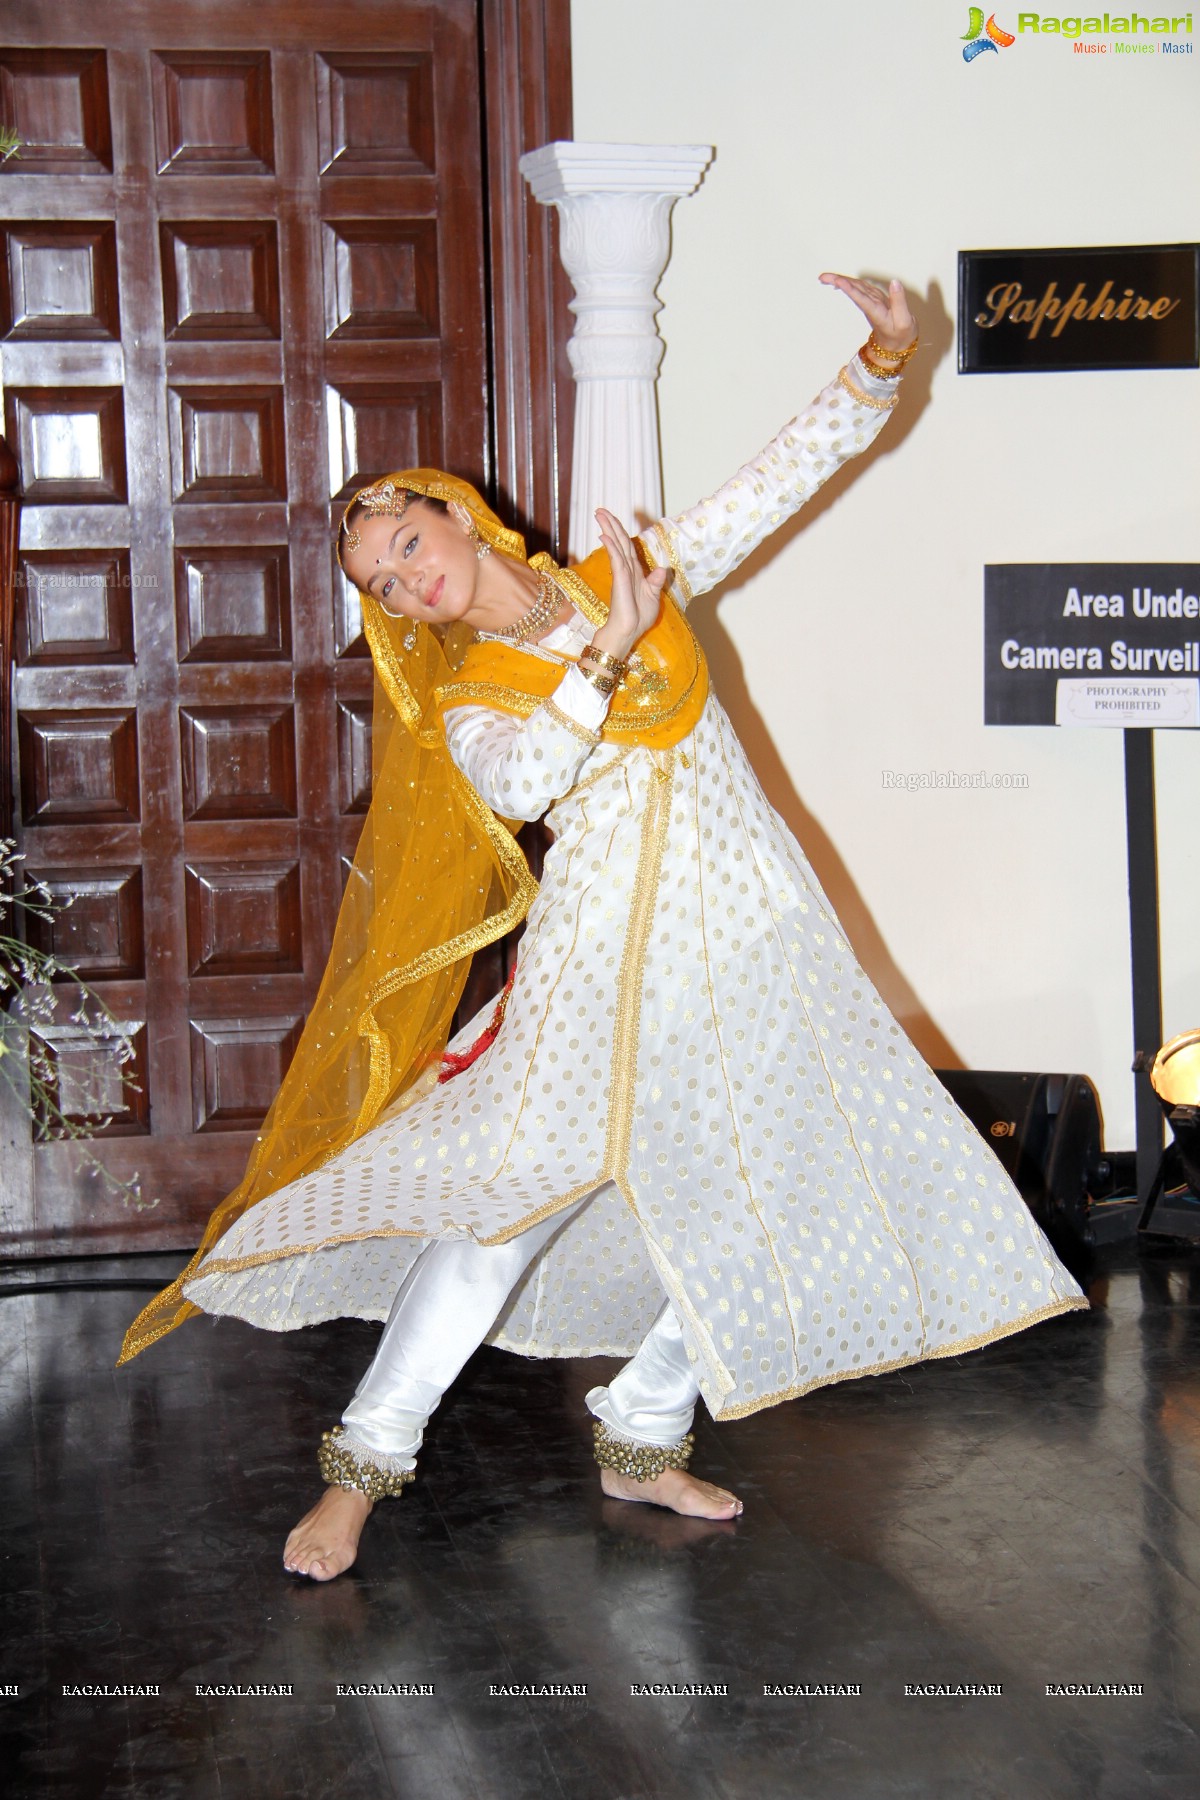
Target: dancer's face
(420, 566)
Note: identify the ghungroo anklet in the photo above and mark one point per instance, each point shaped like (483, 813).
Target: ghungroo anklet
(642, 1461)
(350, 1465)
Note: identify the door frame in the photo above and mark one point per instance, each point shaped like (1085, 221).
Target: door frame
(525, 81)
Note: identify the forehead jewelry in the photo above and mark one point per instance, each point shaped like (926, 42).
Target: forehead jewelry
(383, 500)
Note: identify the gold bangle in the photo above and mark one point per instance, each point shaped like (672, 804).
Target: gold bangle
(868, 362)
(603, 684)
(604, 659)
(893, 356)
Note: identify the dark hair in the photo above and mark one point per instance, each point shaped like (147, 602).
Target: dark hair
(358, 509)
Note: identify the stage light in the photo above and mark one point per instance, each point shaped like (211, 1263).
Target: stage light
(1173, 1205)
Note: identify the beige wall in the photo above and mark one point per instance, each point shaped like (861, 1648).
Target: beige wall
(854, 137)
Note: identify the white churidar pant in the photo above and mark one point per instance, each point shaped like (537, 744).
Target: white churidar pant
(446, 1305)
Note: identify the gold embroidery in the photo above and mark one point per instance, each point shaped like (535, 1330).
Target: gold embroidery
(570, 724)
(234, 1265)
(543, 1212)
(644, 682)
(597, 771)
(629, 983)
(466, 943)
(576, 588)
(513, 700)
(634, 713)
(630, 979)
(852, 387)
(547, 1002)
(683, 586)
(428, 963)
(816, 1039)
(489, 693)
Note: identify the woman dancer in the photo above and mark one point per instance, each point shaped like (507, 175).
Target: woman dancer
(689, 1086)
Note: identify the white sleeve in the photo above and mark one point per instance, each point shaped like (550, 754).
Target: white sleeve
(707, 542)
(520, 767)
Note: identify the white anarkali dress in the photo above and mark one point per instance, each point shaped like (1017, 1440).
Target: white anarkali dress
(690, 1041)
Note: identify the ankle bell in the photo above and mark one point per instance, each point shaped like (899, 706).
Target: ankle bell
(641, 1461)
(345, 1462)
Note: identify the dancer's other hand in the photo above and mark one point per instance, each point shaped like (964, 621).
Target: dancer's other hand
(636, 595)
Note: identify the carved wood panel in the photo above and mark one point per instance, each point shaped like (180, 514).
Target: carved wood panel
(244, 270)
(57, 102)
(243, 918)
(220, 278)
(98, 930)
(58, 279)
(69, 442)
(76, 608)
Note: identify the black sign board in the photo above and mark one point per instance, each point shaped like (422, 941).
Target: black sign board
(1120, 308)
(1114, 644)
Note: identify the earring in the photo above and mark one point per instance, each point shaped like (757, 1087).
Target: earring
(481, 549)
(409, 640)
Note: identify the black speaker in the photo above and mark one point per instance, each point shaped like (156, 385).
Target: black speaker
(1046, 1131)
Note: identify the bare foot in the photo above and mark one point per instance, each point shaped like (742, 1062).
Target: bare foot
(325, 1542)
(675, 1488)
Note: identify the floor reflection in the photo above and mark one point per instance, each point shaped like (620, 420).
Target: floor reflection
(1025, 1515)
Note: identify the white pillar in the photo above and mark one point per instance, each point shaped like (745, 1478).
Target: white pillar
(614, 208)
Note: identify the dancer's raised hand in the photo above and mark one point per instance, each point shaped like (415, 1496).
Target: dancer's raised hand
(887, 313)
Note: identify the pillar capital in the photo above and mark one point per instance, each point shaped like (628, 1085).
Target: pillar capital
(566, 169)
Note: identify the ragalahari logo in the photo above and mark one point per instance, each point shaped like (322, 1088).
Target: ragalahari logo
(981, 37)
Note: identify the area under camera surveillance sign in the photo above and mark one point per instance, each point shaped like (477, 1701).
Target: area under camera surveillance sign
(1100, 644)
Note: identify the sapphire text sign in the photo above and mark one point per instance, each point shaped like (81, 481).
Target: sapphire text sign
(1092, 644)
(1123, 308)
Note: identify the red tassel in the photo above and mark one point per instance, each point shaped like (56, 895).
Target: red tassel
(455, 1061)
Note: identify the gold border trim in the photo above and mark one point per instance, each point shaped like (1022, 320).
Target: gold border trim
(487, 693)
(852, 387)
(572, 725)
(574, 586)
(662, 533)
(237, 1265)
(1005, 1329)
(621, 726)
(597, 771)
(626, 1025)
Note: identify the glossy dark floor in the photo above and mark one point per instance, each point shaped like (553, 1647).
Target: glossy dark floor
(1026, 1515)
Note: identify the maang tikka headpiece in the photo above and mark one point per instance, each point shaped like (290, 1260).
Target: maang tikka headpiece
(383, 500)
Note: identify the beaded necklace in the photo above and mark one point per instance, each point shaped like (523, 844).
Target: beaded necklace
(540, 614)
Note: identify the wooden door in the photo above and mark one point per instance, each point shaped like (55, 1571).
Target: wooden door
(243, 272)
